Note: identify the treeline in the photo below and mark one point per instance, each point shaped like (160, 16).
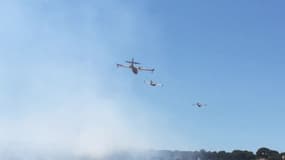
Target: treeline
(260, 154)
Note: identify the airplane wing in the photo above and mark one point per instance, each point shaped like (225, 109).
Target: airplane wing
(146, 82)
(145, 69)
(121, 65)
(159, 84)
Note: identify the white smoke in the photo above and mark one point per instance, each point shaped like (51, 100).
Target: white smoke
(55, 97)
(91, 130)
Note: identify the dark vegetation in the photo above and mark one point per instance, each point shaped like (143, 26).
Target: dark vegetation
(261, 154)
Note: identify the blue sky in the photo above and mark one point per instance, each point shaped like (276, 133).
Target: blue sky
(60, 86)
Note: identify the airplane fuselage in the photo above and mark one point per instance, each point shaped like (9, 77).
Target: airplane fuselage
(134, 69)
(200, 104)
(152, 84)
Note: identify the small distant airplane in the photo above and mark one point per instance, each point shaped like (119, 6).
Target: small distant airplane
(152, 83)
(198, 104)
(134, 68)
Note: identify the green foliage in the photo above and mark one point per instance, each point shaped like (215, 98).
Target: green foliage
(268, 154)
(261, 154)
(282, 155)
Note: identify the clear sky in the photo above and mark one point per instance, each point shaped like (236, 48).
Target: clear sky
(60, 89)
